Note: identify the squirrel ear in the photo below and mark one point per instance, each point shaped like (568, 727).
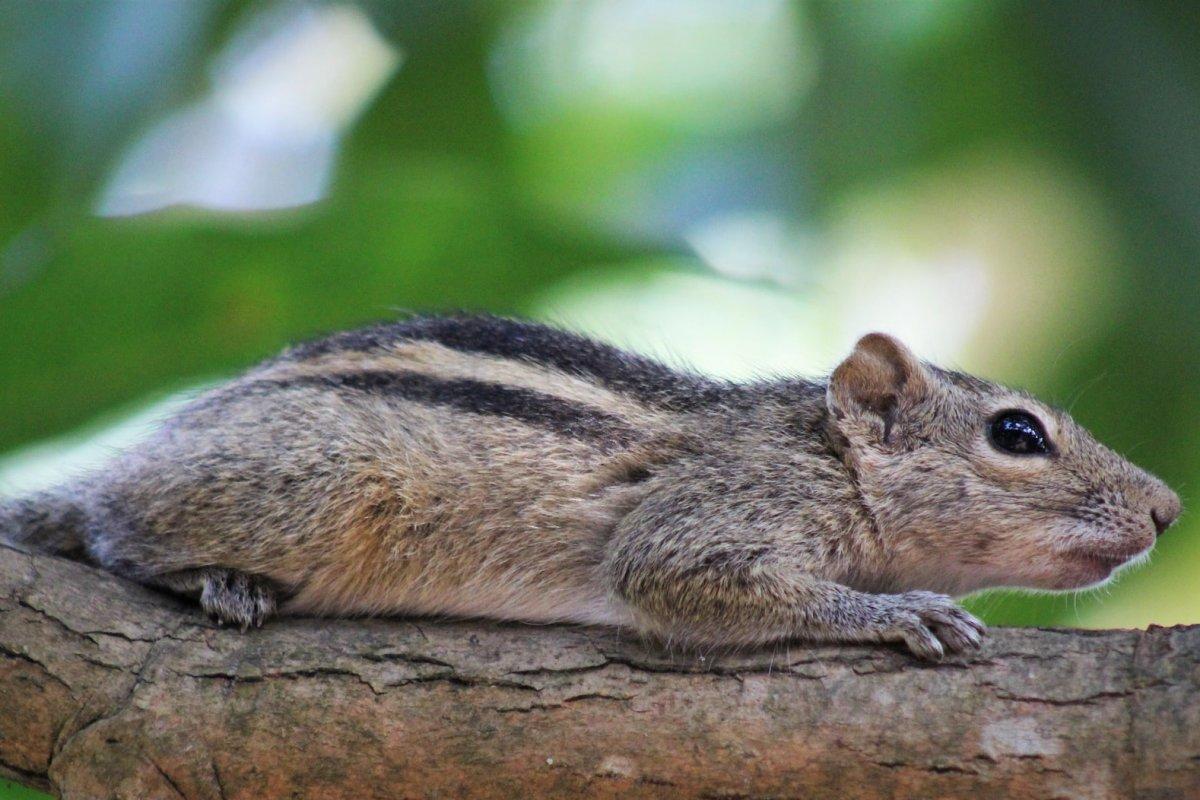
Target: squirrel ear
(875, 378)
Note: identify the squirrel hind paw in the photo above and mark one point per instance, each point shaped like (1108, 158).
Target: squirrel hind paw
(237, 598)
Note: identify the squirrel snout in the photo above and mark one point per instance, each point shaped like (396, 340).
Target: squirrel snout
(1164, 510)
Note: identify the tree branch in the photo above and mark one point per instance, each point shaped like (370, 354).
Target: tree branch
(108, 689)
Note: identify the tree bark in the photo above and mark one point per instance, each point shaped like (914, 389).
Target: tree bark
(108, 689)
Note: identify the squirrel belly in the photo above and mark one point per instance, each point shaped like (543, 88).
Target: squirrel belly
(484, 467)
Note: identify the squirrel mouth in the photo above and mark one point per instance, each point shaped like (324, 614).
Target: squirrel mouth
(1084, 567)
(1106, 562)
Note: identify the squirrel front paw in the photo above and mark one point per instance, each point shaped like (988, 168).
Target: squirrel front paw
(930, 625)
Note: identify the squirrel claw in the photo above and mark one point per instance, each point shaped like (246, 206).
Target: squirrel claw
(932, 625)
(237, 598)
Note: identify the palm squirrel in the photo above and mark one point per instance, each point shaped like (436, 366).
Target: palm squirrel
(483, 467)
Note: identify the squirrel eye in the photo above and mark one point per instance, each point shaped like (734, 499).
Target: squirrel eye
(1018, 433)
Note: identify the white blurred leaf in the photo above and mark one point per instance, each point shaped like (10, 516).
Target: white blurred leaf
(266, 136)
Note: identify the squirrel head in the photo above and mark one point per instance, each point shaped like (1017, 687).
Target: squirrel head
(972, 484)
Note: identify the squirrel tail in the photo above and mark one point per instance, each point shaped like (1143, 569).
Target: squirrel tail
(46, 521)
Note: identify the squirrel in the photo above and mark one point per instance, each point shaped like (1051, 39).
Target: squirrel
(477, 466)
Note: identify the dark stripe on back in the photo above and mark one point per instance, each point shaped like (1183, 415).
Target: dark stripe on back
(642, 378)
(478, 397)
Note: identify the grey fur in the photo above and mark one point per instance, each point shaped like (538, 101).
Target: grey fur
(482, 467)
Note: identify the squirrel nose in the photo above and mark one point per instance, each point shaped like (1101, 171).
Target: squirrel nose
(1165, 512)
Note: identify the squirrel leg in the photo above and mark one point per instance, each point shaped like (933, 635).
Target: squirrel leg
(226, 595)
(927, 623)
(726, 597)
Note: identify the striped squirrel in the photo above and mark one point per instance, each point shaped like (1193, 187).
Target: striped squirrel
(483, 467)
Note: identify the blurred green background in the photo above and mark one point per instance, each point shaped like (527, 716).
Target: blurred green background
(1012, 187)
(745, 187)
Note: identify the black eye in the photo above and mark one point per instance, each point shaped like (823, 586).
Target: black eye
(1018, 433)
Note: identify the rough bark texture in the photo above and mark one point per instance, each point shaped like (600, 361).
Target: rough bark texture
(110, 690)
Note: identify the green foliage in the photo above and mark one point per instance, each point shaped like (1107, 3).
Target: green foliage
(12, 791)
(448, 192)
(728, 183)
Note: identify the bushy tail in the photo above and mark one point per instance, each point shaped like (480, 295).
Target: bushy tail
(45, 521)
